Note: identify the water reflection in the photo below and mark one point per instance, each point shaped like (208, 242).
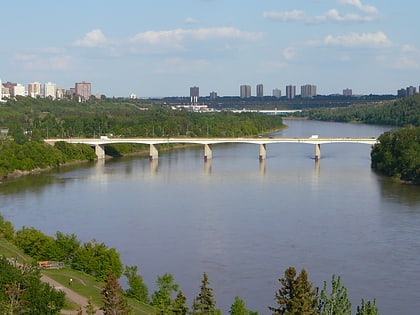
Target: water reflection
(262, 166)
(207, 166)
(154, 163)
(399, 193)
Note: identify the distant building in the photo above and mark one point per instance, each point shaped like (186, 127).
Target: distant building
(411, 90)
(132, 96)
(308, 90)
(277, 93)
(49, 90)
(10, 86)
(83, 89)
(245, 91)
(260, 90)
(194, 94)
(60, 93)
(34, 89)
(213, 95)
(290, 91)
(347, 92)
(19, 90)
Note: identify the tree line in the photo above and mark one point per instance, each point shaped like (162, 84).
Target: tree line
(403, 112)
(21, 290)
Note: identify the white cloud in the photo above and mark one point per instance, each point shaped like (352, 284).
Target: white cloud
(289, 53)
(378, 39)
(334, 15)
(191, 21)
(285, 16)
(42, 62)
(360, 6)
(93, 38)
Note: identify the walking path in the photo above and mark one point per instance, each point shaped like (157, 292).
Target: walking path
(71, 295)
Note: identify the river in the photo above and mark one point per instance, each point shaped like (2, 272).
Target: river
(241, 221)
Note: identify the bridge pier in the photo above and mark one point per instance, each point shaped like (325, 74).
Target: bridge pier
(263, 152)
(208, 154)
(100, 151)
(154, 153)
(317, 152)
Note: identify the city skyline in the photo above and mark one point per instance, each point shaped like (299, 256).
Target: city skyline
(161, 49)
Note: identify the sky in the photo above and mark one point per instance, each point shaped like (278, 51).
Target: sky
(163, 47)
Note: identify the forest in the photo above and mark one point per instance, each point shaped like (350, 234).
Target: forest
(402, 112)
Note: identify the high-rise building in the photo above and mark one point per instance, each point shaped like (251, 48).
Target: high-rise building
(347, 92)
(290, 91)
(34, 89)
(260, 90)
(411, 90)
(245, 91)
(194, 94)
(213, 95)
(19, 90)
(277, 93)
(83, 89)
(49, 90)
(10, 86)
(308, 90)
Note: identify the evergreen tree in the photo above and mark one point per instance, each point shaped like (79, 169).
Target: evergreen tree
(113, 298)
(138, 289)
(180, 304)
(367, 308)
(238, 307)
(337, 302)
(90, 308)
(296, 296)
(204, 303)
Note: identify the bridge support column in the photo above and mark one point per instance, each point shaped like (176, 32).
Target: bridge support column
(317, 151)
(263, 152)
(208, 154)
(100, 151)
(154, 153)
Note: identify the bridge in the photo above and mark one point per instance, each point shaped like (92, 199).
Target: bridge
(100, 143)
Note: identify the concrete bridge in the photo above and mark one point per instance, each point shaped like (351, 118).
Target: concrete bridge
(99, 144)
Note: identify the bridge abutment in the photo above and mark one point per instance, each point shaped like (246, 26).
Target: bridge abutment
(154, 153)
(208, 153)
(263, 152)
(100, 151)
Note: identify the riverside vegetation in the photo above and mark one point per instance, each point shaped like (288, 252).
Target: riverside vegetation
(22, 292)
(29, 121)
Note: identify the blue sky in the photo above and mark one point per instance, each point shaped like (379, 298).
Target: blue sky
(163, 47)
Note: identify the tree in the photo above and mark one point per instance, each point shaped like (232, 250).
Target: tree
(367, 308)
(204, 303)
(162, 298)
(180, 304)
(113, 297)
(138, 289)
(90, 308)
(296, 296)
(66, 246)
(239, 308)
(337, 302)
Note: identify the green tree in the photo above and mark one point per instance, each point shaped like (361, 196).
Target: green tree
(6, 229)
(239, 308)
(336, 302)
(296, 296)
(204, 303)
(367, 308)
(138, 289)
(90, 308)
(163, 299)
(35, 243)
(180, 304)
(66, 246)
(113, 297)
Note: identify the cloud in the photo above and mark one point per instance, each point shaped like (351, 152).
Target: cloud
(93, 38)
(378, 39)
(191, 21)
(360, 6)
(289, 53)
(285, 16)
(334, 15)
(43, 62)
(179, 65)
(409, 58)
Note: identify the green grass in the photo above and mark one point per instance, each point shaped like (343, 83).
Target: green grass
(82, 283)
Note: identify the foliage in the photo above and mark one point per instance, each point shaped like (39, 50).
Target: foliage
(367, 308)
(66, 246)
(163, 299)
(138, 289)
(296, 296)
(204, 303)
(21, 291)
(239, 308)
(113, 297)
(6, 229)
(336, 302)
(402, 112)
(35, 243)
(97, 260)
(180, 304)
(398, 154)
(90, 308)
